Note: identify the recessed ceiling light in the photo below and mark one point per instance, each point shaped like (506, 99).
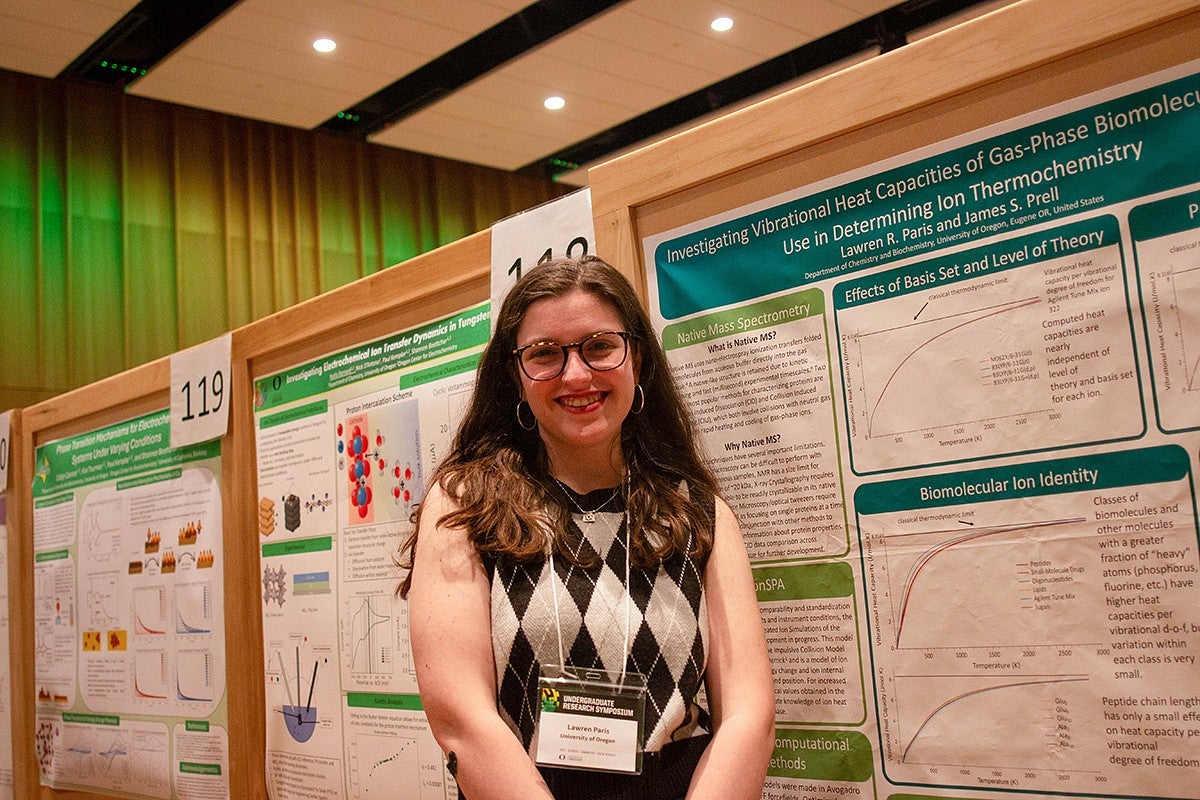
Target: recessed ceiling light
(722, 24)
(324, 45)
(554, 103)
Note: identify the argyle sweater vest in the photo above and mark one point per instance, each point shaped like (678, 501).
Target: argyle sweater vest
(664, 606)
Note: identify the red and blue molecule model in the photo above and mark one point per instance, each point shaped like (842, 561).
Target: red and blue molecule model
(356, 449)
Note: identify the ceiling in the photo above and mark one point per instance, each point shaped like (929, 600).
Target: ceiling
(464, 79)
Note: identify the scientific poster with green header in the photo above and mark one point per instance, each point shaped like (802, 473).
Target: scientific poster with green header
(129, 621)
(954, 399)
(345, 445)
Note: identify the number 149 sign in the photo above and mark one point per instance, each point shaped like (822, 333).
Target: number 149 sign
(557, 229)
(200, 392)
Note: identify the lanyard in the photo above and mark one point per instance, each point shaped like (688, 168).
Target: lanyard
(628, 603)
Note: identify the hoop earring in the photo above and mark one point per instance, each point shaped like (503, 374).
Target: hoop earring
(520, 421)
(639, 399)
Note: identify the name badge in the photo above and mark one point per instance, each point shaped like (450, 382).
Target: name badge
(590, 719)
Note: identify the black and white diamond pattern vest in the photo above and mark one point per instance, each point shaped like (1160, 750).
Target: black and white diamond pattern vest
(667, 624)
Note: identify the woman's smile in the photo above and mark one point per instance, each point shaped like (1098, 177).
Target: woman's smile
(580, 410)
(581, 403)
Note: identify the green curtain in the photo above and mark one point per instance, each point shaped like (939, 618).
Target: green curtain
(131, 228)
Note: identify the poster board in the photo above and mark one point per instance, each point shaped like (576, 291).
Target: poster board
(89, 716)
(405, 296)
(342, 443)
(9, 430)
(864, 368)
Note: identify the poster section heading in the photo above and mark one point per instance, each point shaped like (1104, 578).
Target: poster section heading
(1060, 476)
(447, 336)
(964, 265)
(1130, 147)
(1166, 217)
(745, 320)
(135, 446)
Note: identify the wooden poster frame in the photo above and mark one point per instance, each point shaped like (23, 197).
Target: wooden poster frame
(422, 289)
(132, 393)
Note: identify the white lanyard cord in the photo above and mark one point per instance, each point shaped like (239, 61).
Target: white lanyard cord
(562, 660)
(557, 622)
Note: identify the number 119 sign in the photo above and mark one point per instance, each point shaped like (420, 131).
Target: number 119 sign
(200, 392)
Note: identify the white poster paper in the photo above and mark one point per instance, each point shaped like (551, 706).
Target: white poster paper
(129, 620)
(952, 398)
(345, 445)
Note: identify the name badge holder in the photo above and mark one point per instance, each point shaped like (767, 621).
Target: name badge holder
(590, 719)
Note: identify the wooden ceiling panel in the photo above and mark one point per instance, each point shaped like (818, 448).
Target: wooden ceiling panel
(41, 37)
(635, 70)
(258, 56)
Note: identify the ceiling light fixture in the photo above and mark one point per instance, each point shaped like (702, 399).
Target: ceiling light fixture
(722, 24)
(554, 103)
(324, 45)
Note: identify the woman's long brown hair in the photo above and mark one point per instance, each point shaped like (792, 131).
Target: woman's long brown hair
(498, 474)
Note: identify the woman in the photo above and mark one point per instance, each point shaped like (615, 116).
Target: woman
(573, 520)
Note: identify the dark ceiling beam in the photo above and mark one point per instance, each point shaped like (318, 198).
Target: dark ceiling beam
(154, 28)
(532, 26)
(146, 35)
(884, 31)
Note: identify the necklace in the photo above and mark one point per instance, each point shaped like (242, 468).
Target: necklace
(588, 516)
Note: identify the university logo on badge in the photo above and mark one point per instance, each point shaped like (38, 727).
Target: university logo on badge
(551, 699)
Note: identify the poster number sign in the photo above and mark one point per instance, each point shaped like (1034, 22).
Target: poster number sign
(199, 392)
(577, 248)
(561, 228)
(218, 392)
(5, 419)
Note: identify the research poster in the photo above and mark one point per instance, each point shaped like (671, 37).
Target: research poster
(129, 620)
(954, 398)
(345, 445)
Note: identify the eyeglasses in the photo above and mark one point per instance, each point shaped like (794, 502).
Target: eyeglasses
(543, 361)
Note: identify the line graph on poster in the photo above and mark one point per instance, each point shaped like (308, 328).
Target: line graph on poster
(369, 638)
(195, 681)
(1174, 324)
(151, 677)
(193, 608)
(151, 610)
(445, 415)
(1009, 729)
(888, 382)
(101, 524)
(100, 600)
(1028, 578)
(117, 758)
(990, 365)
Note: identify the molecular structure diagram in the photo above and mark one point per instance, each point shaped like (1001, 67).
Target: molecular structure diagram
(358, 456)
(313, 503)
(401, 491)
(274, 585)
